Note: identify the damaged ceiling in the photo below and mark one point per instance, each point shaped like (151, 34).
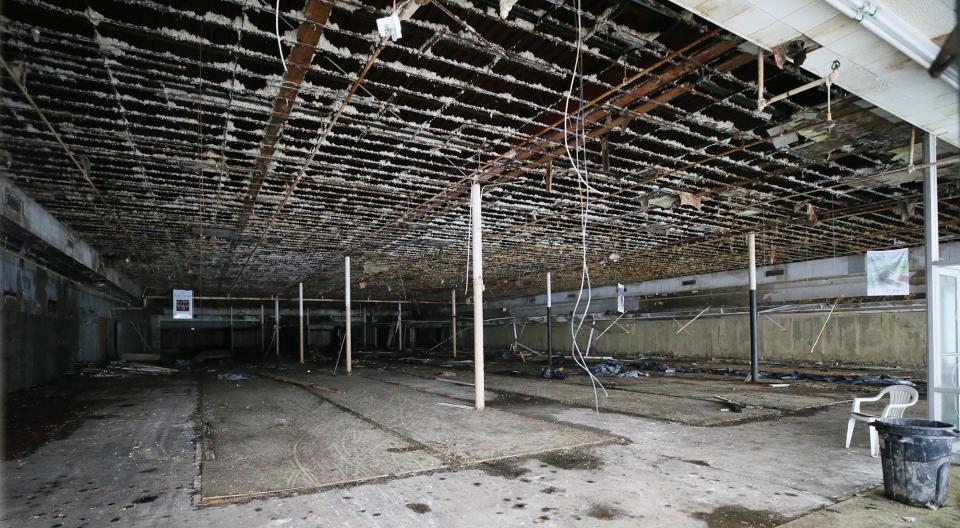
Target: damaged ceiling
(205, 161)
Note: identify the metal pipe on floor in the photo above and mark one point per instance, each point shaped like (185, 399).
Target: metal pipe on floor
(453, 320)
(475, 193)
(754, 352)
(348, 317)
(549, 323)
(931, 239)
(301, 322)
(276, 322)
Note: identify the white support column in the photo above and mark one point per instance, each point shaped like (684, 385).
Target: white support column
(348, 317)
(276, 322)
(931, 235)
(479, 402)
(453, 320)
(549, 321)
(754, 338)
(301, 323)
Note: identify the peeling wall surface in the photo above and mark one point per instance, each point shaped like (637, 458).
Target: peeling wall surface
(49, 322)
(889, 338)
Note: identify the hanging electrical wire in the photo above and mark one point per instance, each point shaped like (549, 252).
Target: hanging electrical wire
(578, 160)
(276, 27)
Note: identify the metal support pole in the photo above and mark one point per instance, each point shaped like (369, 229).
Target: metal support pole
(276, 322)
(453, 320)
(231, 329)
(400, 327)
(301, 323)
(549, 323)
(479, 402)
(363, 317)
(754, 352)
(263, 343)
(348, 315)
(931, 235)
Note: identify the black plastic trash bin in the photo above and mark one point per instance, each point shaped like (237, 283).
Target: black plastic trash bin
(916, 460)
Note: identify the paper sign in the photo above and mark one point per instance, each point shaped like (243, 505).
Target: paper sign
(888, 272)
(183, 304)
(620, 304)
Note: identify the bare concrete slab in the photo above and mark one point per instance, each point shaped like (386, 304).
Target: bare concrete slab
(459, 435)
(131, 463)
(872, 510)
(702, 410)
(263, 436)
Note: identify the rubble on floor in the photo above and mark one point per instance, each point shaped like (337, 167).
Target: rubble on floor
(235, 376)
(119, 369)
(614, 367)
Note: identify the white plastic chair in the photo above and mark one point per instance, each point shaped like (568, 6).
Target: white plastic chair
(901, 397)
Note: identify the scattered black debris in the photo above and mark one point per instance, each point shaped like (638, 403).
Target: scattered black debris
(236, 376)
(738, 516)
(604, 512)
(504, 468)
(614, 368)
(571, 460)
(617, 368)
(418, 507)
(557, 373)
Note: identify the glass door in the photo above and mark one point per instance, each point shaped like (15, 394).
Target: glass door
(944, 368)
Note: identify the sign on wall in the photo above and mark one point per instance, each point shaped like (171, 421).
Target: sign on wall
(888, 272)
(183, 304)
(620, 304)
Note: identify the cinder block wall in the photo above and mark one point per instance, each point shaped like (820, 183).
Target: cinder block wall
(880, 338)
(48, 322)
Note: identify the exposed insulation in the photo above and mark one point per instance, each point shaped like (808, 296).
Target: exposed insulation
(171, 104)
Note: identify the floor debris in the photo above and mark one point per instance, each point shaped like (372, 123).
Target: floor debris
(116, 369)
(235, 376)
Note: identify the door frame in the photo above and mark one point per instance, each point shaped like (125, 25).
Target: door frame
(934, 388)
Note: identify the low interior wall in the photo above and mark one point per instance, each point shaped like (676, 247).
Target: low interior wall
(868, 338)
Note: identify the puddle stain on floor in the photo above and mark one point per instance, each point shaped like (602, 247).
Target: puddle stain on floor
(738, 517)
(419, 507)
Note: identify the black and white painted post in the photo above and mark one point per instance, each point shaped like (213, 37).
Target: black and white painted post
(754, 352)
(477, 296)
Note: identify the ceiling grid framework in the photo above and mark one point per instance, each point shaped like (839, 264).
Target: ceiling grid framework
(194, 134)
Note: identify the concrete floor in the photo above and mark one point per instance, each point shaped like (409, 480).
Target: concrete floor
(130, 457)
